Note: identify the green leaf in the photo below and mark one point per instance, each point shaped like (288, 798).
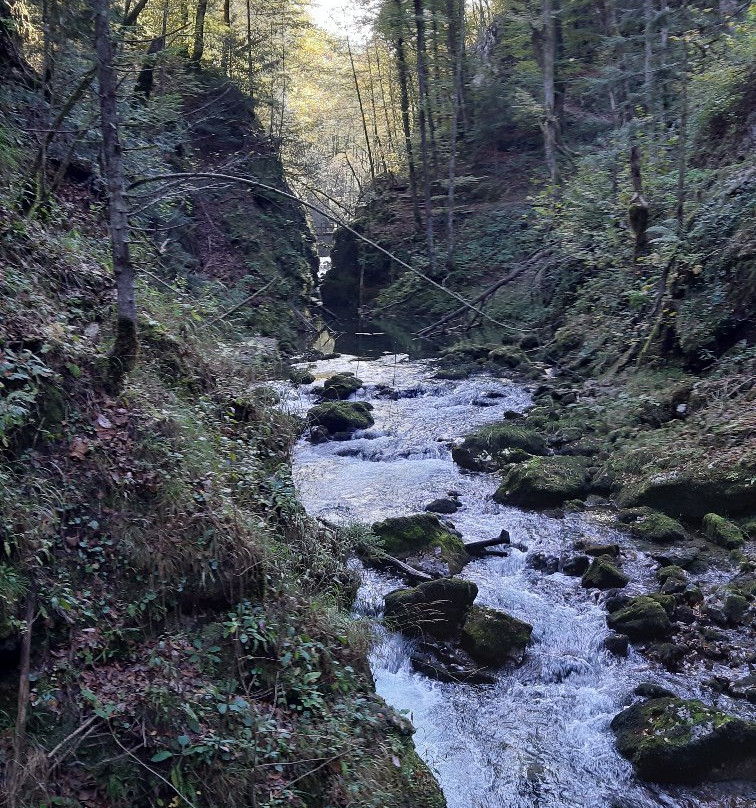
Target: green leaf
(183, 740)
(160, 756)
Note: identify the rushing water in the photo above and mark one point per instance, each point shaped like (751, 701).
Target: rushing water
(540, 736)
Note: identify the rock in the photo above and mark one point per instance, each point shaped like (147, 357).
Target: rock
(494, 638)
(723, 532)
(452, 667)
(543, 563)
(617, 644)
(735, 608)
(492, 447)
(341, 416)
(668, 654)
(653, 526)
(603, 574)
(744, 688)
(671, 572)
(670, 740)
(299, 376)
(341, 386)
(695, 493)
(438, 608)
(684, 556)
(444, 505)
(576, 565)
(650, 690)
(643, 618)
(616, 602)
(507, 356)
(544, 482)
(424, 542)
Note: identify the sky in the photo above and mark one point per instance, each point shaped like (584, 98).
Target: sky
(336, 16)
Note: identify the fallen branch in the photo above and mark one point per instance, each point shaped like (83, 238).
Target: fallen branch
(256, 184)
(476, 547)
(243, 303)
(405, 568)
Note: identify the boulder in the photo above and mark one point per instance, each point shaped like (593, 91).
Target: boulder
(340, 386)
(653, 526)
(424, 542)
(617, 644)
(341, 416)
(596, 550)
(544, 482)
(494, 638)
(492, 447)
(576, 565)
(670, 740)
(300, 376)
(507, 356)
(643, 618)
(603, 574)
(723, 532)
(445, 505)
(438, 608)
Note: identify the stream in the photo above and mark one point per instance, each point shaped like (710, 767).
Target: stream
(539, 737)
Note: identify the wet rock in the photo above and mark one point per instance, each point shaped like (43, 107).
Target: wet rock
(492, 447)
(596, 550)
(653, 526)
(340, 387)
(341, 416)
(643, 618)
(576, 565)
(423, 541)
(444, 505)
(507, 356)
(692, 595)
(650, 690)
(616, 602)
(603, 574)
(744, 688)
(668, 654)
(671, 572)
(542, 562)
(723, 532)
(544, 482)
(685, 615)
(494, 638)
(438, 608)
(462, 669)
(670, 740)
(736, 608)
(300, 376)
(617, 644)
(677, 556)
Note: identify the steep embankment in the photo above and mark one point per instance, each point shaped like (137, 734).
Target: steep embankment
(173, 625)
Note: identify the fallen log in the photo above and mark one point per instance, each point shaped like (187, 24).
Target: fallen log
(411, 572)
(476, 547)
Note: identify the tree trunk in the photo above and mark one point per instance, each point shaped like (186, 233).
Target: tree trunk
(550, 123)
(12, 62)
(422, 81)
(638, 211)
(682, 143)
(227, 39)
(124, 353)
(455, 37)
(199, 33)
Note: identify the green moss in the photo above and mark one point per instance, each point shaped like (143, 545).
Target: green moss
(723, 532)
(643, 618)
(492, 637)
(603, 574)
(544, 482)
(341, 416)
(409, 535)
(438, 608)
(493, 446)
(655, 527)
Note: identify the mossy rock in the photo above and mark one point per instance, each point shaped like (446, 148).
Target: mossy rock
(300, 376)
(507, 356)
(693, 494)
(604, 574)
(643, 618)
(494, 638)
(671, 573)
(670, 740)
(422, 536)
(341, 416)
(341, 386)
(723, 532)
(491, 447)
(438, 608)
(655, 527)
(544, 482)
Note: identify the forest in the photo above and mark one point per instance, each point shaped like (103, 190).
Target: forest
(377, 403)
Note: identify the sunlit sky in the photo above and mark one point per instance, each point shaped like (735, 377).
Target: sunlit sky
(336, 16)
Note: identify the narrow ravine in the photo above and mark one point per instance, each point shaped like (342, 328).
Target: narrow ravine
(539, 736)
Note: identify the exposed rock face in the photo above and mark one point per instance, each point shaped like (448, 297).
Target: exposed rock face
(494, 638)
(723, 532)
(670, 740)
(340, 386)
(643, 618)
(341, 416)
(603, 574)
(438, 608)
(423, 541)
(492, 447)
(544, 482)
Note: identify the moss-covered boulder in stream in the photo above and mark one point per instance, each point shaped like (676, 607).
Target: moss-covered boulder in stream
(340, 386)
(423, 541)
(491, 447)
(650, 525)
(438, 608)
(341, 416)
(723, 532)
(544, 482)
(670, 740)
(604, 574)
(494, 638)
(643, 618)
